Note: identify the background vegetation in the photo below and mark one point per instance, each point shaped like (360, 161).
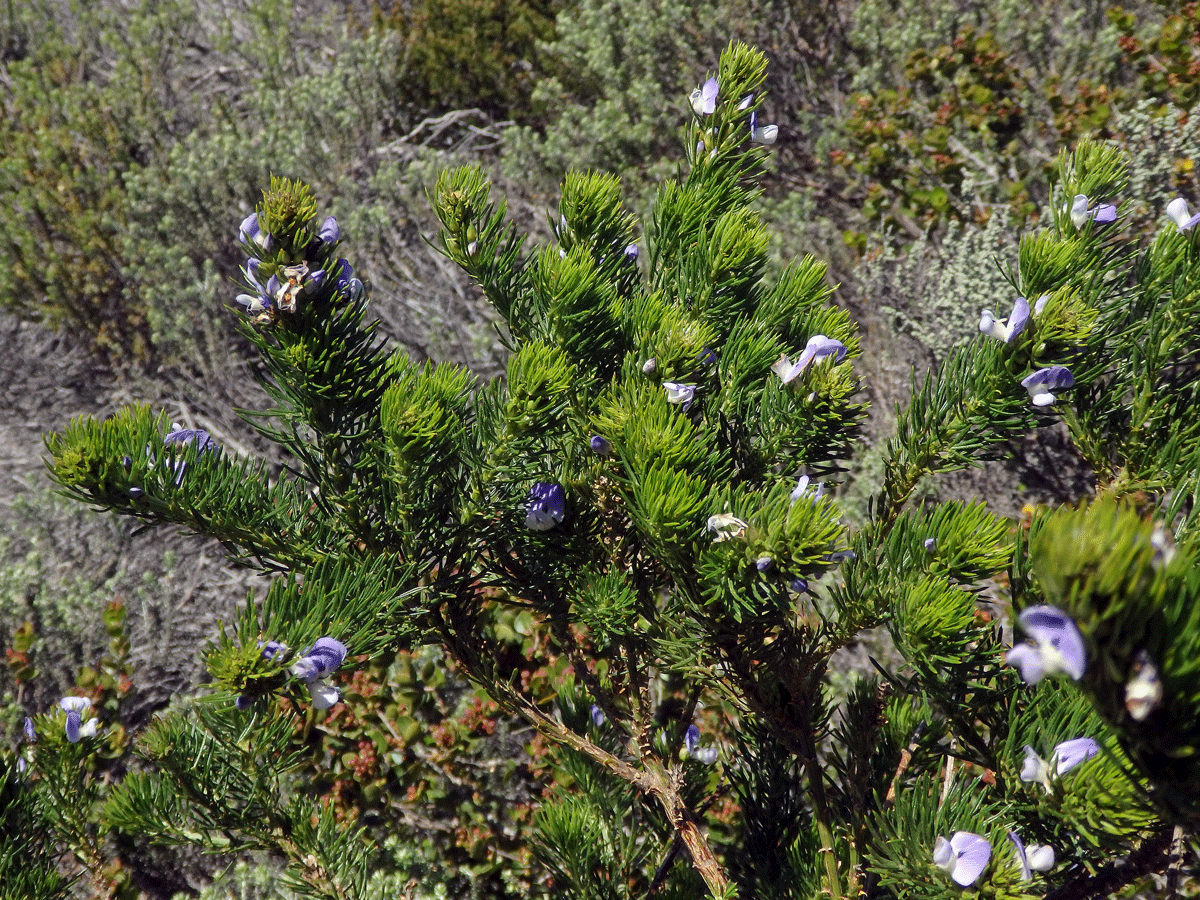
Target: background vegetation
(916, 142)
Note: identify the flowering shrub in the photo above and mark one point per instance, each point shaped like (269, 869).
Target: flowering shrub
(686, 591)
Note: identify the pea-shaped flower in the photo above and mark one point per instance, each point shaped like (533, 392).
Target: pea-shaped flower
(1067, 756)
(680, 394)
(546, 506)
(601, 446)
(1017, 320)
(762, 134)
(1177, 210)
(318, 662)
(704, 99)
(706, 755)
(1082, 211)
(76, 708)
(725, 526)
(1057, 648)
(1034, 858)
(1044, 382)
(963, 857)
(819, 347)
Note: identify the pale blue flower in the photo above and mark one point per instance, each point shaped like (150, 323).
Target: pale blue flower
(546, 506)
(680, 394)
(1034, 858)
(315, 664)
(963, 857)
(1178, 211)
(76, 708)
(1067, 756)
(29, 732)
(1058, 649)
(930, 545)
(1101, 214)
(598, 717)
(1017, 320)
(801, 490)
(1042, 384)
(704, 99)
(250, 232)
(705, 755)
(764, 134)
(330, 232)
(818, 348)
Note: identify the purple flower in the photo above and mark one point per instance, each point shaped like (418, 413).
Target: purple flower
(319, 661)
(601, 446)
(1072, 753)
(963, 857)
(329, 231)
(706, 755)
(30, 733)
(930, 545)
(271, 648)
(765, 134)
(764, 564)
(546, 506)
(818, 347)
(260, 306)
(650, 366)
(704, 99)
(682, 394)
(1017, 321)
(799, 585)
(201, 439)
(598, 717)
(1040, 304)
(801, 490)
(197, 437)
(75, 708)
(1101, 214)
(1067, 756)
(1177, 210)
(631, 253)
(1042, 383)
(1058, 648)
(1034, 858)
(250, 232)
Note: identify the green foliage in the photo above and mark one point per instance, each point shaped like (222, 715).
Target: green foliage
(611, 543)
(485, 53)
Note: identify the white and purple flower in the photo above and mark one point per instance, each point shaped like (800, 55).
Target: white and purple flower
(762, 134)
(819, 347)
(1082, 211)
(76, 708)
(1034, 858)
(1044, 382)
(1066, 756)
(546, 506)
(705, 755)
(704, 99)
(315, 664)
(680, 394)
(1058, 646)
(1006, 333)
(1177, 211)
(963, 857)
